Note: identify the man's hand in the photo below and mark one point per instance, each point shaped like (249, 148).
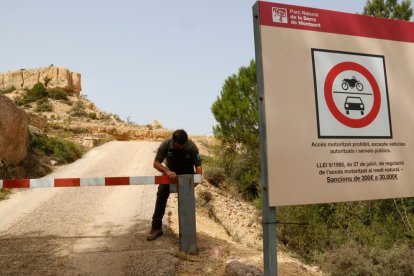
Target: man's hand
(164, 170)
(172, 176)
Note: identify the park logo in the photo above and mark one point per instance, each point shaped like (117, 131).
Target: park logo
(351, 95)
(280, 15)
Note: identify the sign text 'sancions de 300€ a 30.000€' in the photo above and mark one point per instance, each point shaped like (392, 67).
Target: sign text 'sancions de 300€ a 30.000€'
(338, 94)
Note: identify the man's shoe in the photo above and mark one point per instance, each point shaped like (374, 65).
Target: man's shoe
(154, 234)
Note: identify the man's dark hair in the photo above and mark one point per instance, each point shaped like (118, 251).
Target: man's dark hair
(180, 137)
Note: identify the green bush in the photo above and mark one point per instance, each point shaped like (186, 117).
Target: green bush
(204, 198)
(92, 115)
(58, 94)
(78, 110)
(5, 171)
(215, 175)
(4, 193)
(43, 105)
(58, 149)
(314, 230)
(354, 259)
(117, 118)
(36, 93)
(39, 92)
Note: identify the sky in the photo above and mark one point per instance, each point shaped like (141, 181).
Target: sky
(143, 60)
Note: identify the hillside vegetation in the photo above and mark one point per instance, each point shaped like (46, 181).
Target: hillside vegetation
(355, 238)
(63, 126)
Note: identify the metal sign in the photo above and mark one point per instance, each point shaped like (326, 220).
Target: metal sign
(337, 105)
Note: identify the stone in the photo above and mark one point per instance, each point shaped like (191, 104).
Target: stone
(57, 77)
(76, 81)
(30, 78)
(64, 79)
(89, 141)
(13, 79)
(155, 124)
(37, 121)
(51, 74)
(236, 268)
(14, 132)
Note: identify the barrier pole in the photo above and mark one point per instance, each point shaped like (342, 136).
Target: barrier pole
(186, 214)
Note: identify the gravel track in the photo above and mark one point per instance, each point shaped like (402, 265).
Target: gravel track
(88, 230)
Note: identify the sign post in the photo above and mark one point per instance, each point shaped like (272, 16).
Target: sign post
(268, 213)
(186, 212)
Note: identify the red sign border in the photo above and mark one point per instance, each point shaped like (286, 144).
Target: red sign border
(330, 78)
(353, 24)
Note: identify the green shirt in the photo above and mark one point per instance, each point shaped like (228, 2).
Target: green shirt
(180, 161)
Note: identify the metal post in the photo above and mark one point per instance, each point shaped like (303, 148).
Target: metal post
(268, 214)
(186, 214)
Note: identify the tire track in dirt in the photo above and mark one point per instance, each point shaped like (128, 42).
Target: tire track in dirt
(88, 230)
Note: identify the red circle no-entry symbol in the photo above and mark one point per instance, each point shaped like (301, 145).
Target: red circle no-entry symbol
(328, 91)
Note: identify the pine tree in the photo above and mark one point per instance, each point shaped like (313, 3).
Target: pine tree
(236, 112)
(389, 9)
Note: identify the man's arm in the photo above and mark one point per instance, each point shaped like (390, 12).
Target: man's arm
(199, 170)
(164, 170)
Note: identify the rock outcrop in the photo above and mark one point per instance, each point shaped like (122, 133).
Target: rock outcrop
(14, 132)
(125, 133)
(236, 268)
(51, 77)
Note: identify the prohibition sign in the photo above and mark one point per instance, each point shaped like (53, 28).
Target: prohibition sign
(330, 78)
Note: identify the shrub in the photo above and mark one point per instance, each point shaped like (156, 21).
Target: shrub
(36, 93)
(5, 171)
(338, 228)
(60, 150)
(78, 110)
(47, 80)
(353, 258)
(21, 101)
(105, 117)
(204, 198)
(101, 141)
(43, 105)
(215, 175)
(58, 94)
(4, 193)
(92, 115)
(7, 91)
(117, 118)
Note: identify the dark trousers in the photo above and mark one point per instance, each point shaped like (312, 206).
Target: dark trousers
(161, 202)
(162, 197)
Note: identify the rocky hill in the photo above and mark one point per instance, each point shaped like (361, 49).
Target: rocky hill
(47, 102)
(51, 77)
(65, 108)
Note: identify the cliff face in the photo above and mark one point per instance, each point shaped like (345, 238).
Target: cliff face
(14, 132)
(51, 77)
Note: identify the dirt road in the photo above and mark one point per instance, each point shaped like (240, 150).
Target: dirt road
(88, 230)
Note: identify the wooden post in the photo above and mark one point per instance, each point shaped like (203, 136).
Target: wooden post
(186, 214)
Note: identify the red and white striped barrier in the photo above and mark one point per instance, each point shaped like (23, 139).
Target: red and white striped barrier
(84, 182)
